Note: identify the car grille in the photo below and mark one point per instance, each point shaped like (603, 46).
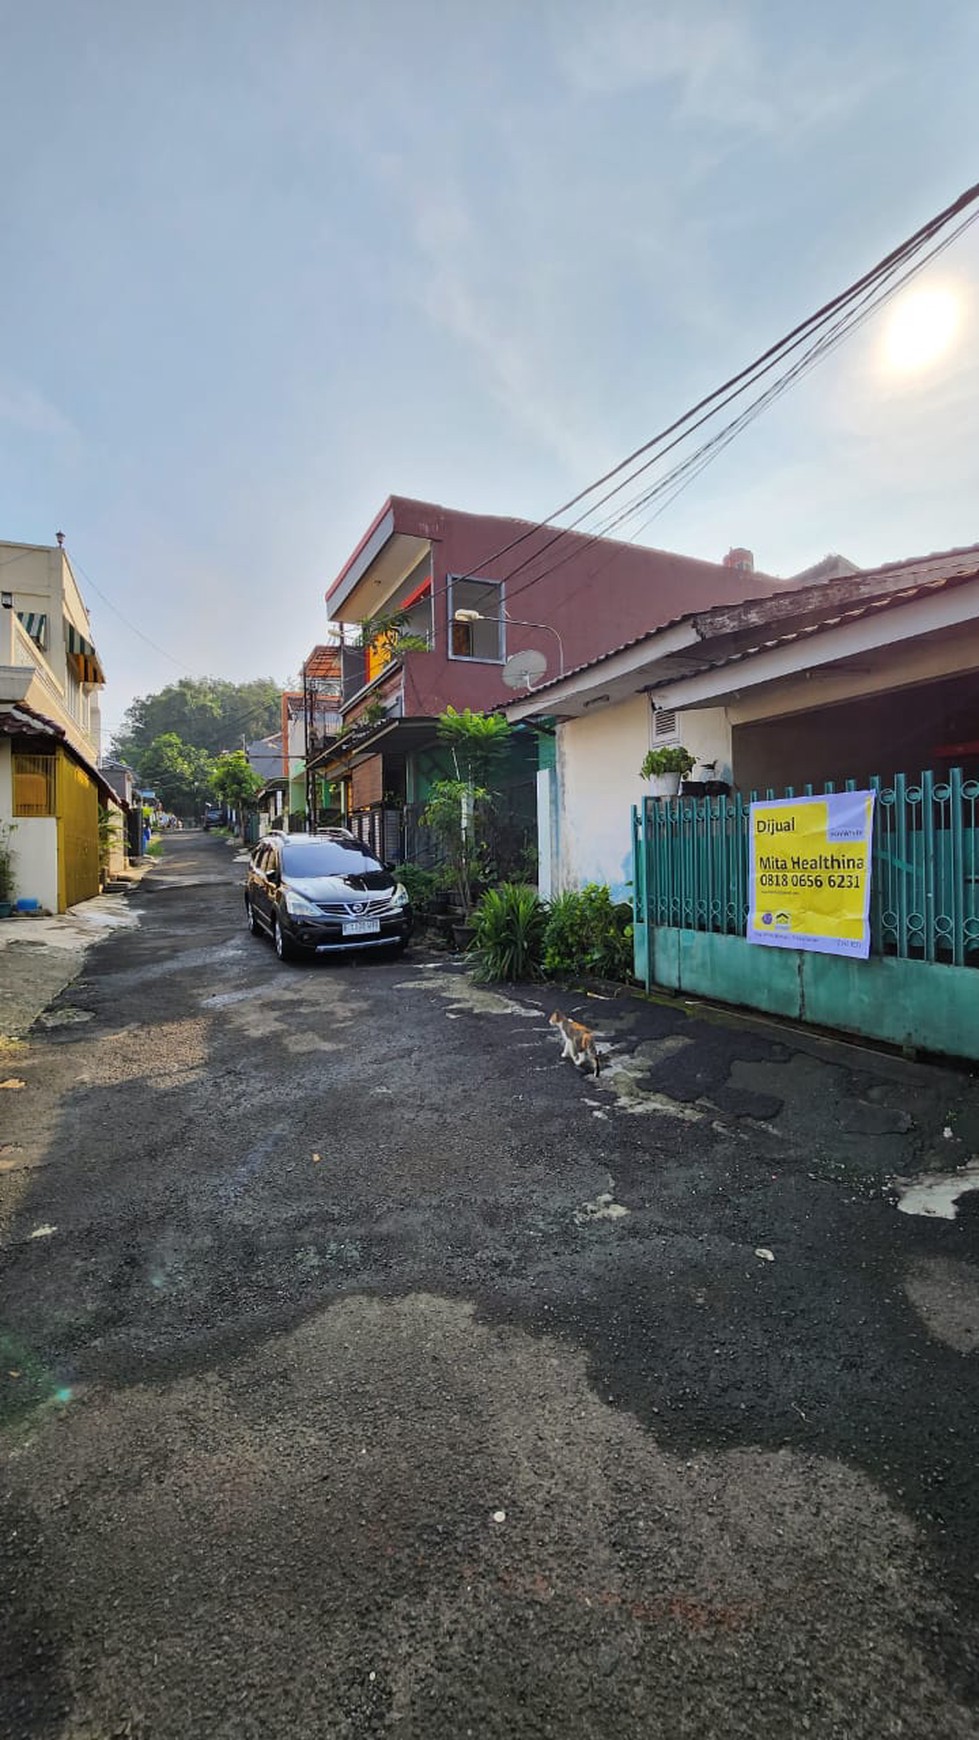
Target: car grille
(370, 908)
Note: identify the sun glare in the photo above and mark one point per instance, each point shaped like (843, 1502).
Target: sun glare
(921, 327)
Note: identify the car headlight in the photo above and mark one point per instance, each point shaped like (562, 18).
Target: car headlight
(300, 907)
(401, 896)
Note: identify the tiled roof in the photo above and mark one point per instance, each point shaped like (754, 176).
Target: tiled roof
(18, 719)
(899, 582)
(858, 612)
(323, 661)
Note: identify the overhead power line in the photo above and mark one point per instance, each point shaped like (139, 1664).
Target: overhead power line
(867, 292)
(681, 475)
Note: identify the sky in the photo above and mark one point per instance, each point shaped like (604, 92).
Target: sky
(265, 264)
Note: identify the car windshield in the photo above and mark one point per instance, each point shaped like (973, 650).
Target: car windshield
(328, 858)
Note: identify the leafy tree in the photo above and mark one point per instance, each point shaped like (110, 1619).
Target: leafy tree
(391, 633)
(234, 782)
(451, 813)
(178, 773)
(477, 742)
(204, 712)
(458, 809)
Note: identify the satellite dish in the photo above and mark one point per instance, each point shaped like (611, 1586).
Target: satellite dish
(522, 670)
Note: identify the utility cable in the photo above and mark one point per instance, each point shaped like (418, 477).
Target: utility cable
(711, 449)
(729, 389)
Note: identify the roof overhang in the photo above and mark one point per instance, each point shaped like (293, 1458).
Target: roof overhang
(886, 626)
(705, 658)
(673, 652)
(377, 568)
(391, 737)
(15, 680)
(19, 720)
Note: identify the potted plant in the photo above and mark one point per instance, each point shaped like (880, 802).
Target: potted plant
(664, 768)
(704, 783)
(7, 883)
(456, 809)
(110, 834)
(451, 815)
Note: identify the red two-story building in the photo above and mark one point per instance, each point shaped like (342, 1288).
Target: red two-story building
(474, 589)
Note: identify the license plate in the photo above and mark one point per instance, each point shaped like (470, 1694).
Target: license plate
(362, 927)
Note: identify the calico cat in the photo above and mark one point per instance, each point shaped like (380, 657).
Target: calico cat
(579, 1042)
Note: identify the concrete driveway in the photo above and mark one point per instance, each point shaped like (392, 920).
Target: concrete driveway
(365, 1371)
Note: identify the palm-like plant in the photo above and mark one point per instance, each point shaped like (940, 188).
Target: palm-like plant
(508, 939)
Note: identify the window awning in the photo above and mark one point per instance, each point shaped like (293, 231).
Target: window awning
(36, 625)
(84, 657)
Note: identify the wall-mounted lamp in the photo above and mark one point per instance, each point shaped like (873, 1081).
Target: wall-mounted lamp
(7, 600)
(518, 622)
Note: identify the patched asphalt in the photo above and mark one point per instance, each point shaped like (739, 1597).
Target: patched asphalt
(364, 1370)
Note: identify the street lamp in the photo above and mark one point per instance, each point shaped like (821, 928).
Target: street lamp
(517, 622)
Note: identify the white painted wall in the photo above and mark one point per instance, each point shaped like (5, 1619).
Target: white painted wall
(546, 831)
(598, 760)
(35, 844)
(707, 735)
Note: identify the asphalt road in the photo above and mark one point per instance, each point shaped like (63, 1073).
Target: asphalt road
(365, 1371)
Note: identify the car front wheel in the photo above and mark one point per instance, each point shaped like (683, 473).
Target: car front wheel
(283, 947)
(250, 919)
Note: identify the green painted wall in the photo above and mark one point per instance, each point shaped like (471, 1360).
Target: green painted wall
(930, 1007)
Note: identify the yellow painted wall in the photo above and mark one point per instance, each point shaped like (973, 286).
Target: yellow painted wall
(78, 834)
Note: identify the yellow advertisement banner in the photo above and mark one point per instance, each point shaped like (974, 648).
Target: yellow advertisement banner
(809, 869)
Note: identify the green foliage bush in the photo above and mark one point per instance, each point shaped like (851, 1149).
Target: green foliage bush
(508, 940)
(421, 884)
(587, 932)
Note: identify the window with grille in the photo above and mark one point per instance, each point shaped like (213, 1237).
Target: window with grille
(34, 785)
(665, 728)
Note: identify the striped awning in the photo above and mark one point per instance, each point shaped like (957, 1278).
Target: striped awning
(36, 625)
(83, 656)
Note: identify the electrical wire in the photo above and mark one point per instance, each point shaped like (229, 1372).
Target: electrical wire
(723, 395)
(686, 470)
(73, 560)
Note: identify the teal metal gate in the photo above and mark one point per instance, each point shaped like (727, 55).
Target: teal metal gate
(919, 987)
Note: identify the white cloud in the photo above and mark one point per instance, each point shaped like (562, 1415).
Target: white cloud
(495, 298)
(28, 410)
(720, 71)
(707, 55)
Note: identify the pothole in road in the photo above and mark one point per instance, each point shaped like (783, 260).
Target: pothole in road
(65, 1017)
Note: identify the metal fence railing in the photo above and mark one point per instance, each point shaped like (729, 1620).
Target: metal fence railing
(691, 864)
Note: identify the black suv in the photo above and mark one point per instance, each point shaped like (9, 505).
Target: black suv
(320, 894)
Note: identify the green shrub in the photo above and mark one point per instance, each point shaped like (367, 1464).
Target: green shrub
(508, 933)
(587, 932)
(421, 884)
